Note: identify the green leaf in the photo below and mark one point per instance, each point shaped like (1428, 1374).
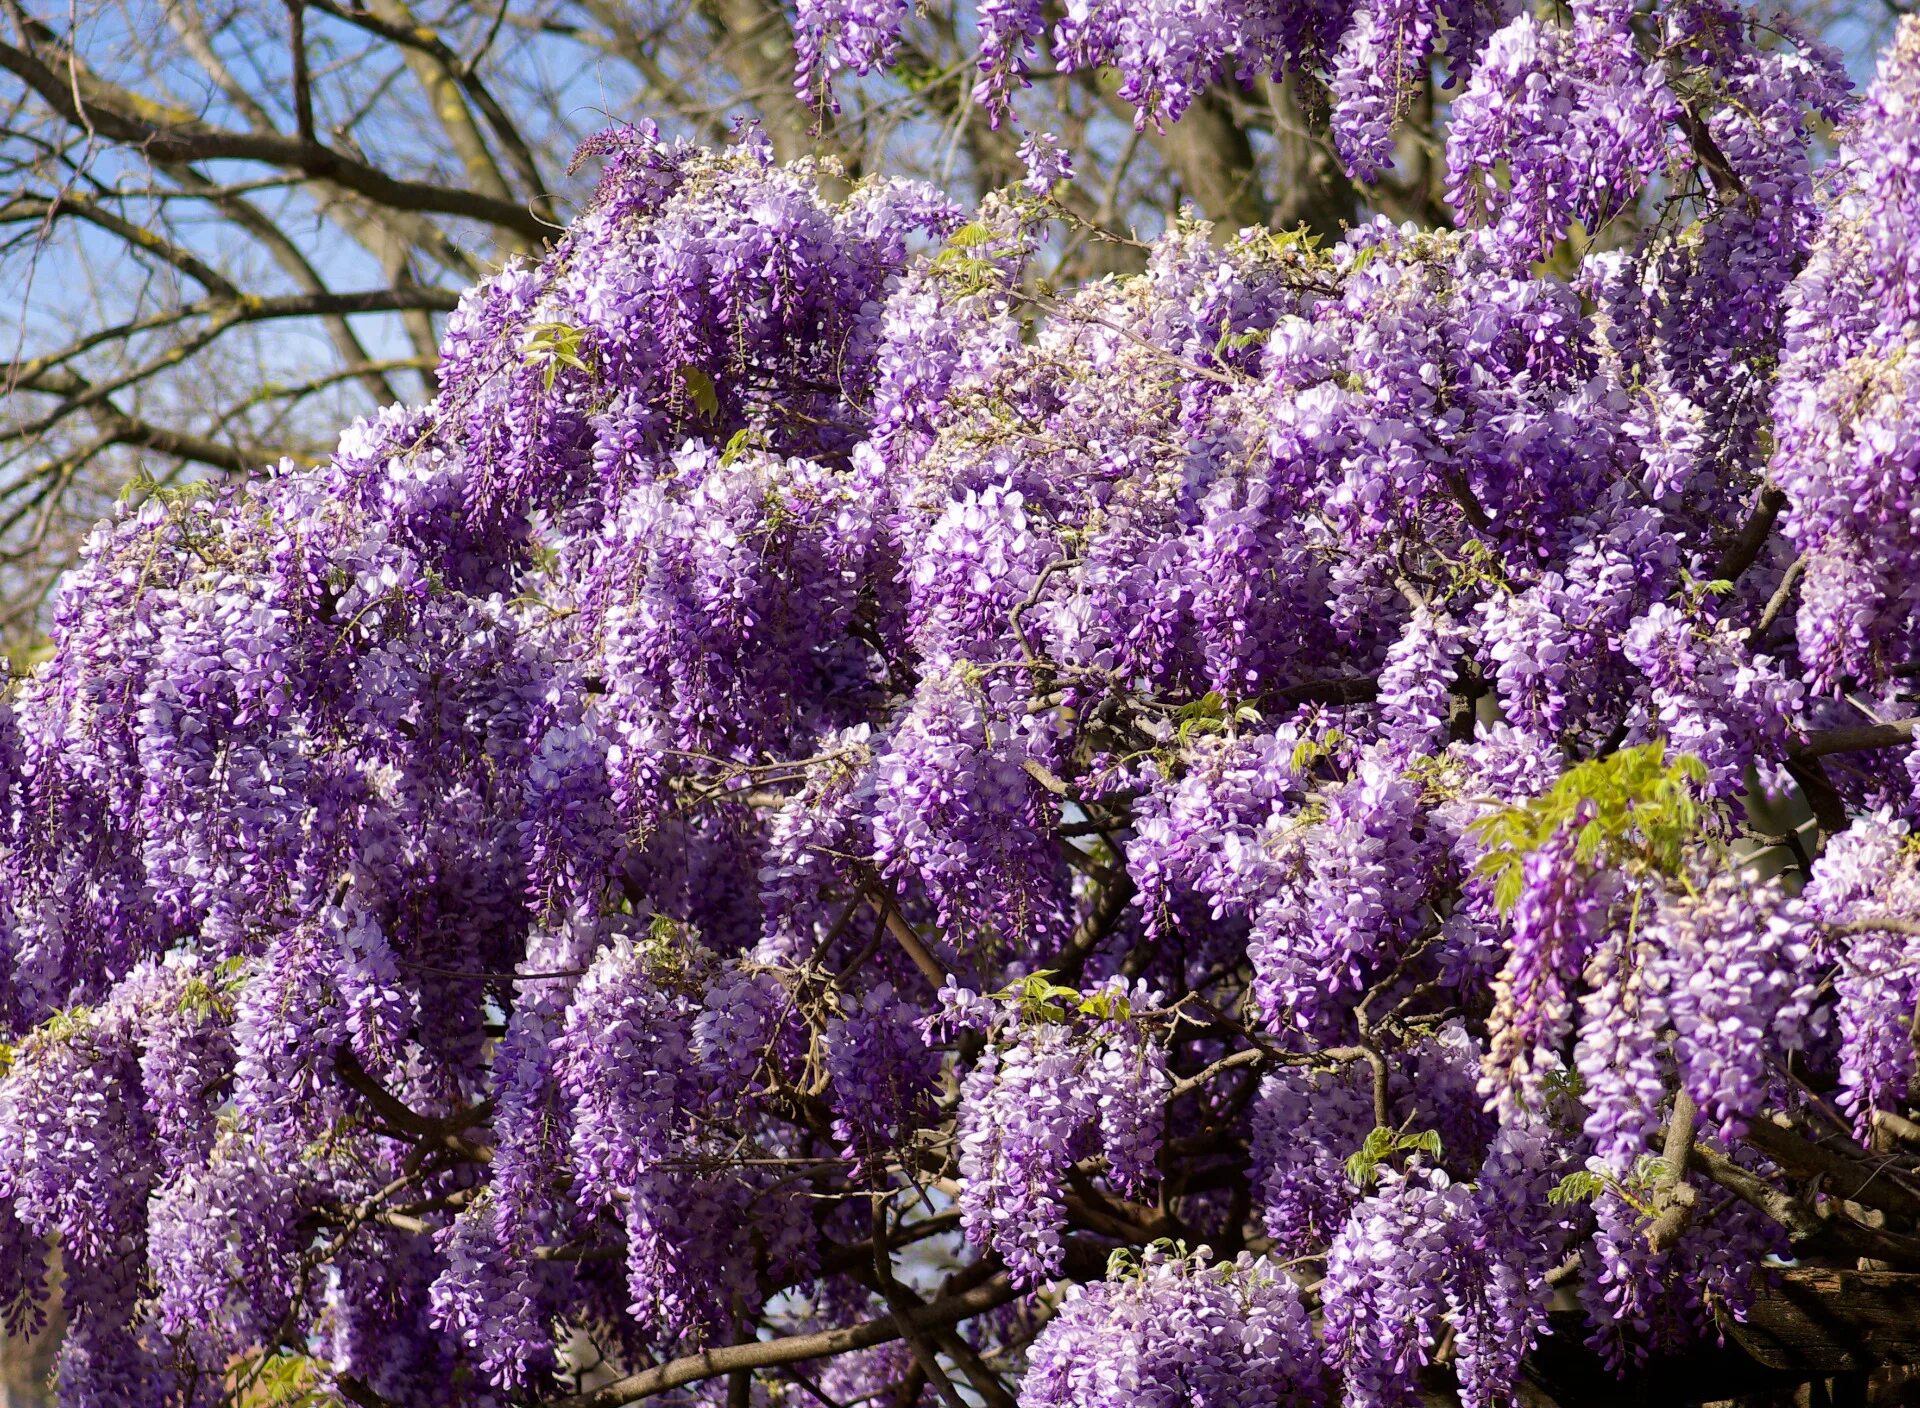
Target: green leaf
(138, 487)
(1210, 705)
(556, 345)
(965, 273)
(1299, 237)
(1426, 1142)
(1578, 1187)
(1476, 565)
(201, 997)
(28, 651)
(65, 1024)
(1207, 714)
(1651, 1169)
(700, 390)
(1363, 1165)
(914, 77)
(746, 438)
(1309, 751)
(1039, 998)
(1636, 809)
(283, 1380)
(1364, 1162)
(1230, 341)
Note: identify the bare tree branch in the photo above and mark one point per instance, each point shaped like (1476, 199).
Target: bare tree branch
(439, 70)
(166, 135)
(141, 237)
(792, 1349)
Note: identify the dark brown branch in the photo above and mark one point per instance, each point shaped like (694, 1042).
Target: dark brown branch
(293, 262)
(273, 392)
(141, 237)
(1744, 549)
(1470, 505)
(1213, 157)
(1857, 738)
(1099, 924)
(145, 435)
(437, 71)
(357, 1392)
(1569, 1267)
(1851, 1172)
(390, 236)
(1249, 1057)
(1782, 594)
(224, 316)
(434, 1131)
(840, 1258)
(1803, 1225)
(473, 976)
(979, 1374)
(1675, 1198)
(165, 135)
(1359, 690)
(233, 312)
(1829, 808)
(120, 428)
(1776, 1203)
(903, 1303)
(1382, 1086)
(1311, 187)
(420, 38)
(1112, 1216)
(1898, 1128)
(887, 906)
(760, 1354)
(1727, 185)
(302, 79)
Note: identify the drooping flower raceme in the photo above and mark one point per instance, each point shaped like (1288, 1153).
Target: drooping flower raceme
(1178, 1330)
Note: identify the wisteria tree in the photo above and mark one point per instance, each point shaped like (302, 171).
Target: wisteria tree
(831, 823)
(229, 227)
